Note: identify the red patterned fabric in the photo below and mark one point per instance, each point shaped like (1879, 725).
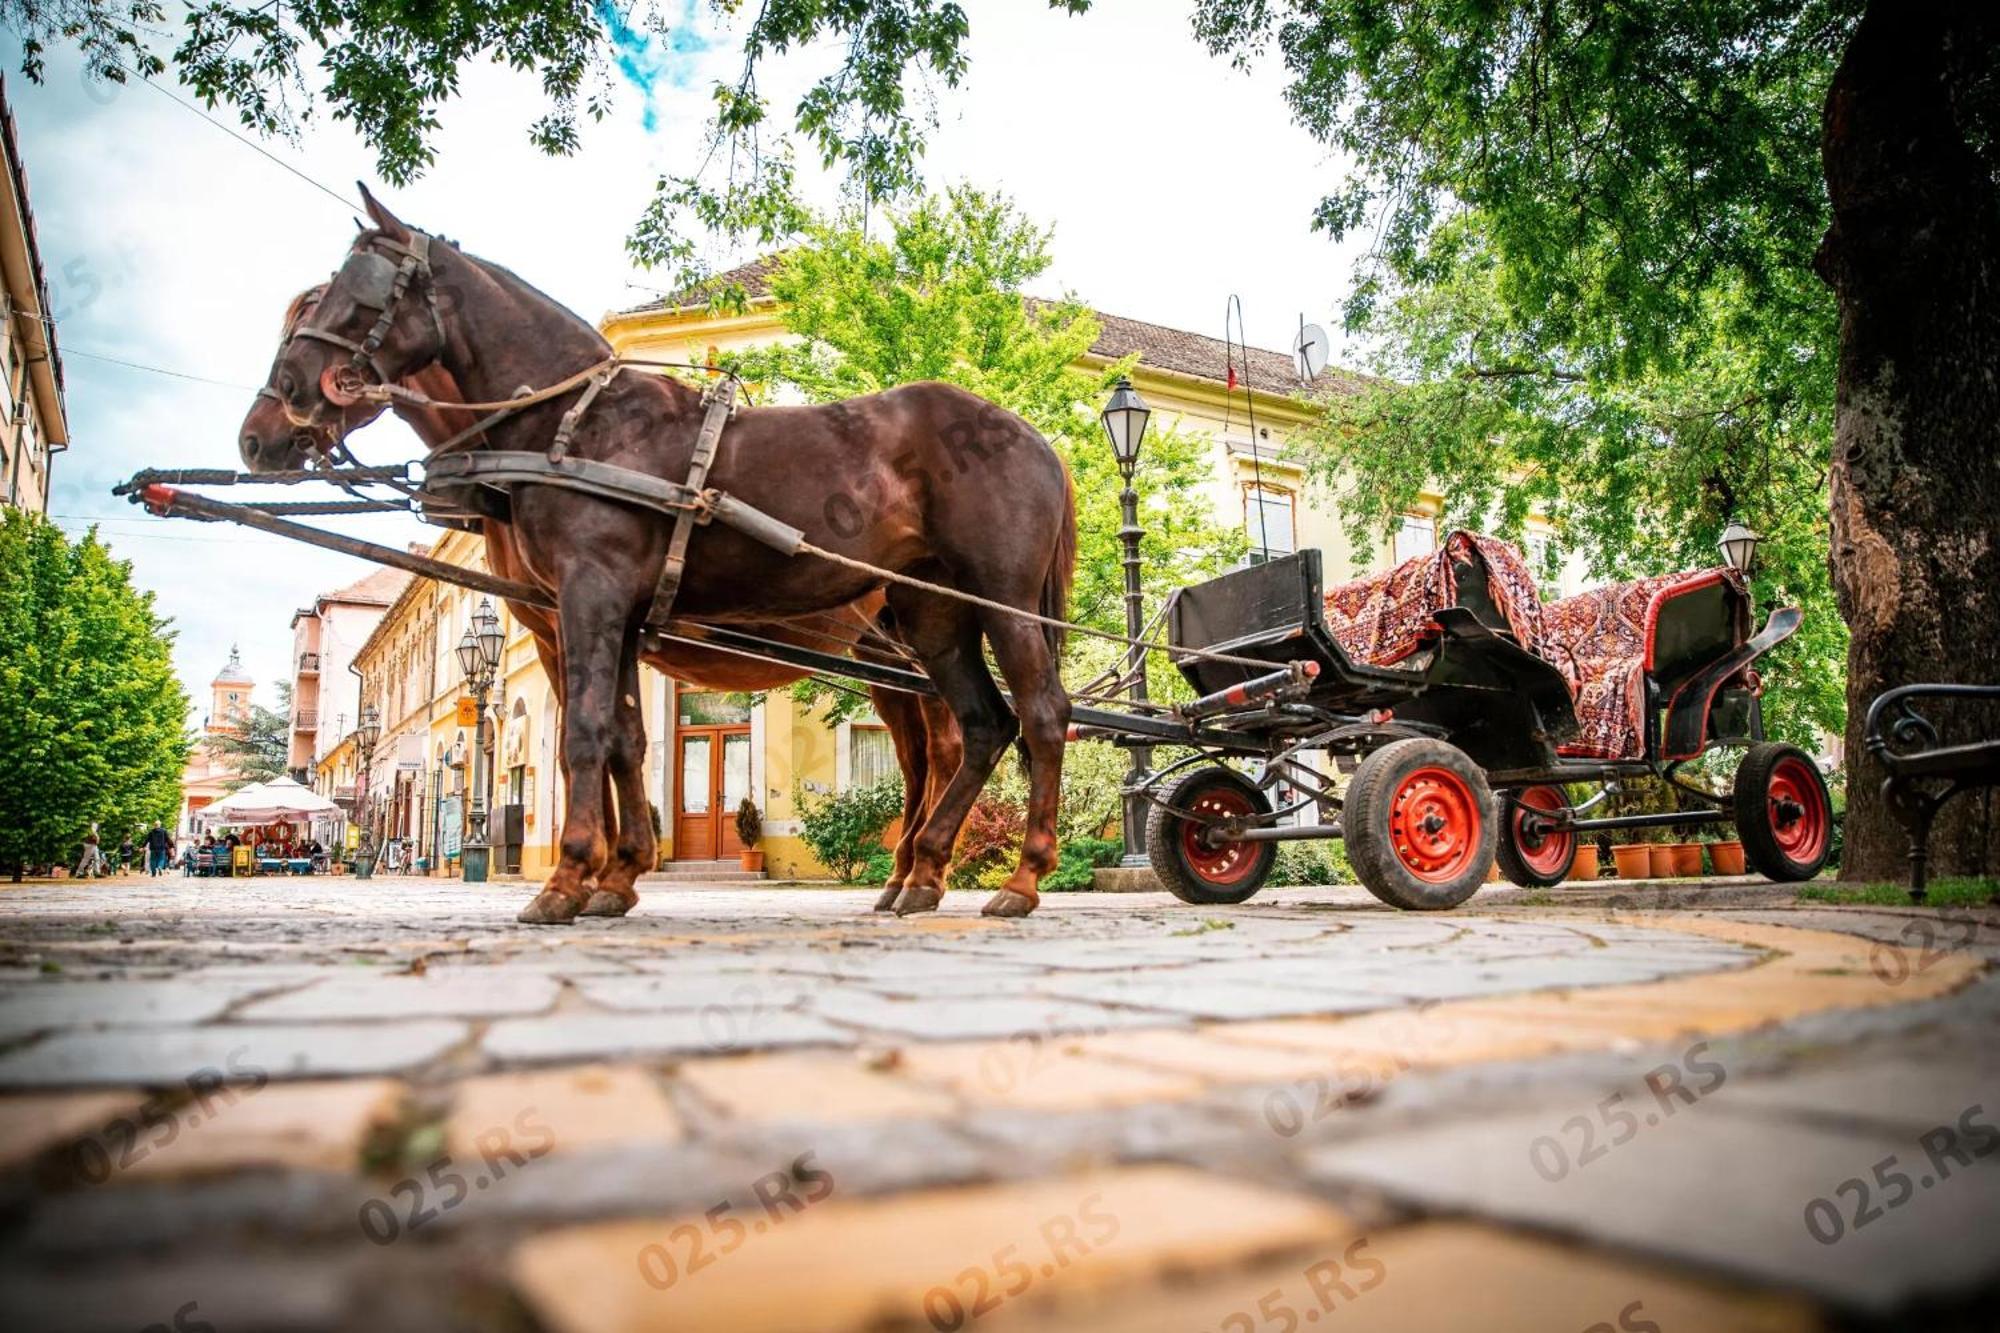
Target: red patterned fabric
(1386, 618)
(1603, 641)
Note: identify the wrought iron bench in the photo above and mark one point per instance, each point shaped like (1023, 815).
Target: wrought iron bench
(1925, 773)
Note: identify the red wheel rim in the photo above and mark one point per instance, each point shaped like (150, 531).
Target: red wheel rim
(1434, 824)
(1796, 803)
(1221, 863)
(1547, 852)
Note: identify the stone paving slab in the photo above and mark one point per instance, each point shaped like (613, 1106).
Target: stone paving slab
(719, 1044)
(1718, 1190)
(171, 1056)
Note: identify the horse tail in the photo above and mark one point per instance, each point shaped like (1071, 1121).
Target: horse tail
(1062, 566)
(1056, 586)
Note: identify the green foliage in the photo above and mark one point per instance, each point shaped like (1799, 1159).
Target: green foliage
(989, 843)
(1077, 858)
(1316, 862)
(1591, 281)
(881, 865)
(937, 294)
(92, 718)
(844, 829)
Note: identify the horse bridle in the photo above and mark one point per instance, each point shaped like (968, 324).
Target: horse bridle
(380, 282)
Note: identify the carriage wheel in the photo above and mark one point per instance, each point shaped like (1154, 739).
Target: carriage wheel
(1783, 813)
(1419, 824)
(1194, 867)
(1531, 856)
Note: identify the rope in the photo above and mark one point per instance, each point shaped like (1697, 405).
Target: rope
(875, 571)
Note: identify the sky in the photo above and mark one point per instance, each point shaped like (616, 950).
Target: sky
(1171, 181)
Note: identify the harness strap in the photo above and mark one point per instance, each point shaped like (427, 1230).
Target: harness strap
(559, 446)
(721, 399)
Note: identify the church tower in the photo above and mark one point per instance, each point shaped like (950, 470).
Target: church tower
(229, 696)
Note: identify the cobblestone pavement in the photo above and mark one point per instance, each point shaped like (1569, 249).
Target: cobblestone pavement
(233, 1105)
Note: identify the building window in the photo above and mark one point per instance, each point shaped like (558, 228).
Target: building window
(871, 755)
(1541, 565)
(1417, 535)
(1267, 521)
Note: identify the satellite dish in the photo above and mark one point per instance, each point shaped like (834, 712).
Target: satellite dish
(1309, 351)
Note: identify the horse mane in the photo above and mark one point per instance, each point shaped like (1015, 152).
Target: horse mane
(296, 311)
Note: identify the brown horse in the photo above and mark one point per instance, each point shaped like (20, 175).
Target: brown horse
(921, 728)
(954, 491)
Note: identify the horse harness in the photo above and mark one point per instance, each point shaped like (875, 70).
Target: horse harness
(382, 282)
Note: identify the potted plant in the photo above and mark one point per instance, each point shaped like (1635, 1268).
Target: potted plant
(1725, 854)
(749, 828)
(1686, 859)
(1585, 865)
(1661, 854)
(1633, 860)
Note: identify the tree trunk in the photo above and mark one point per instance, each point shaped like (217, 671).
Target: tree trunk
(1908, 141)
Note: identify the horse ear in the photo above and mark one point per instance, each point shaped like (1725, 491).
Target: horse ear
(383, 218)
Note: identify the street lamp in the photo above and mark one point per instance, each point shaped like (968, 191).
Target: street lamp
(479, 658)
(1739, 546)
(1125, 425)
(366, 733)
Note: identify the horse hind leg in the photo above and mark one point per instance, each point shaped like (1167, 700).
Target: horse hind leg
(902, 715)
(1028, 662)
(637, 847)
(946, 638)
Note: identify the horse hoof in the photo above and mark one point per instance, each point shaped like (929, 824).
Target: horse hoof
(606, 903)
(915, 898)
(1009, 903)
(549, 908)
(887, 902)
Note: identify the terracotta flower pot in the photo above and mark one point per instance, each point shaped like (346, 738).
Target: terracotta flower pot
(1633, 859)
(750, 858)
(1687, 859)
(1726, 857)
(1662, 854)
(1585, 865)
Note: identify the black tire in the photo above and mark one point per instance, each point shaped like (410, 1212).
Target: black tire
(1534, 861)
(1192, 871)
(1783, 813)
(1396, 851)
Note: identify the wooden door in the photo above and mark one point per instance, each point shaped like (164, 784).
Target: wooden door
(712, 765)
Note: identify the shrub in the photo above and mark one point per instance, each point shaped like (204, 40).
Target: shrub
(749, 824)
(881, 865)
(991, 836)
(1078, 858)
(844, 829)
(1313, 863)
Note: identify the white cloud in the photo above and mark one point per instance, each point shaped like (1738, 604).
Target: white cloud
(1171, 181)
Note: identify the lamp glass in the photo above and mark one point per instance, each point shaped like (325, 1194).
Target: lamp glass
(369, 729)
(1739, 546)
(468, 654)
(1124, 419)
(490, 639)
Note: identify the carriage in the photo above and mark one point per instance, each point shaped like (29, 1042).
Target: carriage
(1463, 712)
(1441, 681)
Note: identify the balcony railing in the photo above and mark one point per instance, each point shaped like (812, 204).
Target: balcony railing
(305, 719)
(308, 664)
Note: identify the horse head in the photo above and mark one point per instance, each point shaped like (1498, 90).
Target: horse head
(375, 322)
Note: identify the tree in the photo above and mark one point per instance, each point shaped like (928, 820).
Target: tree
(1653, 186)
(92, 717)
(256, 750)
(937, 294)
(388, 66)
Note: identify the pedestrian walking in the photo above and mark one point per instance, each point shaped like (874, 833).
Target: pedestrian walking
(159, 848)
(92, 861)
(126, 854)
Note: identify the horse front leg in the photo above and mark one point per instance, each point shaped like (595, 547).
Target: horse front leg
(1028, 662)
(901, 714)
(637, 848)
(595, 641)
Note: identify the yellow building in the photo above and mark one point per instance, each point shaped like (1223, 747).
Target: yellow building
(706, 751)
(33, 425)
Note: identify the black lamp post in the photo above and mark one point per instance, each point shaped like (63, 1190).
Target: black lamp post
(366, 733)
(1739, 546)
(479, 659)
(1125, 423)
